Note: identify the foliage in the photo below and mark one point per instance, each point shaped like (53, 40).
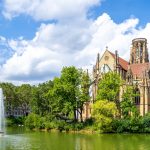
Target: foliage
(32, 121)
(103, 113)
(129, 125)
(39, 103)
(127, 104)
(146, 123)
(10, 121)
(24, 96)
(9, 95)
(83, 92)
(54, 104)
(108, 87)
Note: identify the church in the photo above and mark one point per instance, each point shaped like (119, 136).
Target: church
(135, 72)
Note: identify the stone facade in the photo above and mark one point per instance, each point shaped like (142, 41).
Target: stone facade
(135, 72)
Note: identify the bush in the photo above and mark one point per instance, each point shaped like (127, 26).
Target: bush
(132, 125)
(77, 126)
(103, 113)
(50, 125)
(146, 123)
(32, 121)
(10, 121)
(41, 123)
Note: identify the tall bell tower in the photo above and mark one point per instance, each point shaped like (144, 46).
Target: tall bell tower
(139, 51)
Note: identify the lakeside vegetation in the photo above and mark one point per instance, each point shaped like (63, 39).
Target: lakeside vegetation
(55, 104)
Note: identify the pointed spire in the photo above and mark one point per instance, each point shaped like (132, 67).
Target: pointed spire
(106, 48)
(98, 57)
(117, 57)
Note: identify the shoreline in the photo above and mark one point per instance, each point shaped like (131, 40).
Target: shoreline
(83, 131)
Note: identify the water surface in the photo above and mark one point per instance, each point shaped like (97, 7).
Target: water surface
(19, 139)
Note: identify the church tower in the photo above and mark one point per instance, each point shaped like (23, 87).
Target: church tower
(139, 51)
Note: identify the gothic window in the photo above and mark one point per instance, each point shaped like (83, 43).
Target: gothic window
(141, 53)
(129, 78)
(132, 59)
(137, 97)
(149, 74)
(141, 50)
(137, 52)
(105, 68)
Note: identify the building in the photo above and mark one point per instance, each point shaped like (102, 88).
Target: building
(135, 72)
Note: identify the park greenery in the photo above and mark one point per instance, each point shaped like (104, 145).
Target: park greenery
(58, 104)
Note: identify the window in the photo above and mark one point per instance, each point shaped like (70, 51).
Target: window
(105, 68)
(137, 97)
(137, 52)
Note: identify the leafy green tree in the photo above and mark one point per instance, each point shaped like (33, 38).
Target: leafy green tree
(24, 97)
(55, 98)
(103, 112)
(69, 93)
(10, 96)
(40, 103)
(128, 107)
(70, 79)
(109, 86)
(83, 92)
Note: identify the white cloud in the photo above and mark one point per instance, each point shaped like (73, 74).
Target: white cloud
(47, 9)
(71, 41)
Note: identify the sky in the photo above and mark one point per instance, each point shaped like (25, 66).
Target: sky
(39, 37)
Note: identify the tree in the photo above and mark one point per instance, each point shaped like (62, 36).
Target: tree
(83, 92)
(70, 79)
(128, 107)
(108, 88)
(103, 112)
(40, 102)
(24, 97)
(10, 96)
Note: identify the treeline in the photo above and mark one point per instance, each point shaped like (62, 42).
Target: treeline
(56, 102)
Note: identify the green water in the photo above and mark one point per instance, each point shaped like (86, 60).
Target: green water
(19, 139)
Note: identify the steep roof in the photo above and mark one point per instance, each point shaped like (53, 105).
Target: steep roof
(124, 64)
(139, 69)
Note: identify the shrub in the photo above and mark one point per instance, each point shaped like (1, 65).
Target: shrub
(50, 125)
(32, 121)
(103, 114)
(15, 121)
(146, 123)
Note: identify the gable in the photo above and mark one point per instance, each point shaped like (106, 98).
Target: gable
(107, 59)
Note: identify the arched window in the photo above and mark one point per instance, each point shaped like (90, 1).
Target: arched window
(105, 68)
(137, 96)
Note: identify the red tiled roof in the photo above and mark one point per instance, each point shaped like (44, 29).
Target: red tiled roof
(139, 69)
(124, 64)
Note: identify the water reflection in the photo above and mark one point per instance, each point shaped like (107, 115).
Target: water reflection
(63, 141)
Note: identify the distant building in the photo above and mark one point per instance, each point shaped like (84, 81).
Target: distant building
(135, 72)
(18, 111)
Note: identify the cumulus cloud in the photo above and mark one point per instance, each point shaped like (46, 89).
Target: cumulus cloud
(73, 40)
(47, 9)
(58, 45)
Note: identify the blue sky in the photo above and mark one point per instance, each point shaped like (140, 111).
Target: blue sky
(119, 10)
(38, 38)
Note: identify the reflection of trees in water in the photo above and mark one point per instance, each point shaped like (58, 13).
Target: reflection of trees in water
(113, 142)
(64, 141)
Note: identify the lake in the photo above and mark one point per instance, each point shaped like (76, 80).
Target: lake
(19, 139)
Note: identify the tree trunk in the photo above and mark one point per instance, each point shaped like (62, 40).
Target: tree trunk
(81, 117)
(75, 116)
